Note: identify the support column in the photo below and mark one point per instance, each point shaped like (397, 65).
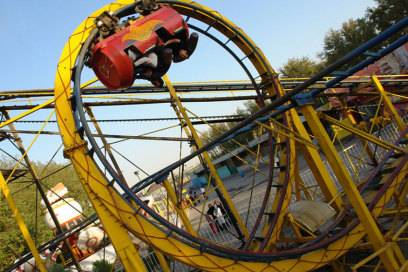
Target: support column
(316, 165)
(302, 185)
(388, 104)
(173, 199)
(135, 261)
(366, 219)
(20, 223)
(223, 193)
(164, 265)
(287, 163)
(106, 145)
(117, 232)
(353, 121)
(37, 182)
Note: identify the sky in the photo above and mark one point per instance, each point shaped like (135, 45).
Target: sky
(34, 33)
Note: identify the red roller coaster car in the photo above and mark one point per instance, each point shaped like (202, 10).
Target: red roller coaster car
(144, 49)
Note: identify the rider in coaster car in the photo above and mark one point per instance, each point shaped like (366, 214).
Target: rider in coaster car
(143, 48)
(144, 65)
(155, 64)
(182, 48)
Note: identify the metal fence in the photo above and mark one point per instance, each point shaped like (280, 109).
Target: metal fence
(355, 160)
(355, 157)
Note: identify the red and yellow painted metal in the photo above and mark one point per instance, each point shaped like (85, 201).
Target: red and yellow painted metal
(119, 218)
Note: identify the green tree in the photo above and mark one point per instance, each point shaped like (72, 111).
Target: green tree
(387, 13)
(354, 32)
(338, 43)
(250, 107)
(102, 266)
(300, 67)
(217, 130)
(12, 245)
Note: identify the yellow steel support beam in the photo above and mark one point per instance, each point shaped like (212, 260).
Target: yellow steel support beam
(302, 185)
(337, 267)
(297, 181)
(353, 121)
(173, 199)
(20, 222)
(284, 131)
(34, 175)
(214, 127)
(371, 257)
(394, 211)
(119, 214)
(106, 145)
(207, 159)
(101, 195)
(164, 265)
(398, 252)
(362, 134)
(373, 232)
(403, 193)
(49, 91)
(404, 267)
(317, 166)
(288, 161)
(28, 112)
(118, 234)
(388, 104)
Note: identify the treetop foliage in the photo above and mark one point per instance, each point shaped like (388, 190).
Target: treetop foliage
(354, 32)
(300, 67)
(337, 43)
(24, 192)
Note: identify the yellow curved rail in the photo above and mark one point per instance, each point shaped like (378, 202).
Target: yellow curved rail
(118, 216)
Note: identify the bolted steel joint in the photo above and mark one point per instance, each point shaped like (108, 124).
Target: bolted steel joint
(145, 7)
(107, 24)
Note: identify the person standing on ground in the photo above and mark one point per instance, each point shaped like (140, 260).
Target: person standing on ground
(220, 221)
(223, 213)
(212, 218)
(202, 190)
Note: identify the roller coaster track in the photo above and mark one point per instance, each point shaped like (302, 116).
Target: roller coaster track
(216, 86)
(122, 212)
